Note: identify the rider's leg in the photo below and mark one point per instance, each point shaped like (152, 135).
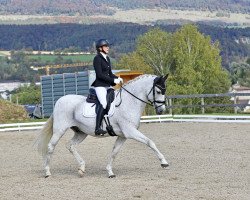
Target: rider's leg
(101, 93)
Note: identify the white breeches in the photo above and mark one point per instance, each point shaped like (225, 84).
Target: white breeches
(101, 93)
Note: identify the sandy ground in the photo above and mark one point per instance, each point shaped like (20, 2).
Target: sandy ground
(208, 161)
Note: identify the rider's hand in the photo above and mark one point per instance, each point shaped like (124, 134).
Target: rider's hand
(117, 81)
(121, 80)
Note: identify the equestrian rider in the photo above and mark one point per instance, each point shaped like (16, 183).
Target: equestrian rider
(104, 80)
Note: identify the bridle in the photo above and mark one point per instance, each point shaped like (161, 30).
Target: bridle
(151, 103)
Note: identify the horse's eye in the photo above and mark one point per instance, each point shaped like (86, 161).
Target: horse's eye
(158, 92)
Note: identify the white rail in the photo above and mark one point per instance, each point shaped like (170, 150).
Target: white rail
(145, 119)
(156, 118)
(212, 118)
(21, 126)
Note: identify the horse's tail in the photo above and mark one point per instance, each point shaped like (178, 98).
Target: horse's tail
(44, 137)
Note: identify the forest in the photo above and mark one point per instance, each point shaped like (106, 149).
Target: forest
(235, 42)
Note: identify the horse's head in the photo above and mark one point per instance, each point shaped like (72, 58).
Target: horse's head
(157, 94)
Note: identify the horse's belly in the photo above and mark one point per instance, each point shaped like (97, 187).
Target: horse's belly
(87, 124)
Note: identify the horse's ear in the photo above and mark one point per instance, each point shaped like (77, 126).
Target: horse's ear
(165, 77)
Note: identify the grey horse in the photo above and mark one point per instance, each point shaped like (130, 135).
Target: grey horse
(130, 103)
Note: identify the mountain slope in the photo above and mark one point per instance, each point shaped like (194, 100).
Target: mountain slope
(54, 7)
(93, 7)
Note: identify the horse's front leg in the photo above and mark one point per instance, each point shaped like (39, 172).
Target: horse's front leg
(132, 133)
(117, 146)
(77, 139)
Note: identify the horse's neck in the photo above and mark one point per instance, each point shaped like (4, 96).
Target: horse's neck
(139, 89)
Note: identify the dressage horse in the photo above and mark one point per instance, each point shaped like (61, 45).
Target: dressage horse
(130, 102)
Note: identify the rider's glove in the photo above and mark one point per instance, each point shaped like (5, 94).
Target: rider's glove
(117, 81)
(121, 80)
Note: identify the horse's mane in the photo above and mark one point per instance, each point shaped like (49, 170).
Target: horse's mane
(139, 78)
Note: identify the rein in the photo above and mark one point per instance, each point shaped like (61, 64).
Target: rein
(151, 102)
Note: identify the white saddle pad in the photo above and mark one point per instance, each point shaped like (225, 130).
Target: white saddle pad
(89, 110)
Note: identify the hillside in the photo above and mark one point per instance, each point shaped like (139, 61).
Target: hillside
(59, 36)
(10, 112)
(108, 7)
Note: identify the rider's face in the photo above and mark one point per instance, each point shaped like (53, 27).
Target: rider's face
(105, 49)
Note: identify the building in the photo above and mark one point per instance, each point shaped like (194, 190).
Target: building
(241, 99)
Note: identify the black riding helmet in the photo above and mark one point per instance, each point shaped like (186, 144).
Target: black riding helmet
(101, 42)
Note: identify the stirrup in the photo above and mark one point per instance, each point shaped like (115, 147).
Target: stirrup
(100, 132)
(110, 130)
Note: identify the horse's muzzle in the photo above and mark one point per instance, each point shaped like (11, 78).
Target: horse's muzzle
(160, 110)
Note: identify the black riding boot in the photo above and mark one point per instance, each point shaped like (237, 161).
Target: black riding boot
(99, 117)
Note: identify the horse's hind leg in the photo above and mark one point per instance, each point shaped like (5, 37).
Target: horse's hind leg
(133, 133)
(77, 139)
(57, 134)
(118, 144)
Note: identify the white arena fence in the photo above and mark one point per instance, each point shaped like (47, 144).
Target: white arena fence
(146, 119)
(21, 126)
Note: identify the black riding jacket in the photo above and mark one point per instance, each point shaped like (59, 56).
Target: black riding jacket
(104, 75)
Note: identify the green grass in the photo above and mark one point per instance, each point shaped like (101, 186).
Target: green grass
(74, 58)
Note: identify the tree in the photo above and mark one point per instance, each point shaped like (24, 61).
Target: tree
(193, 61)
(133, 61)
(196, 67)
(6, 70)
(196, 64)
(240, 73)
(191, 58)
(27, 94)
(154, 47)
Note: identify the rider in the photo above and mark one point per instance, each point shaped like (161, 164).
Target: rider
(104, 80)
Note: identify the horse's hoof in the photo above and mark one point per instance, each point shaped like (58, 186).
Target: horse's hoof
(164, 165)
(47, 174)
(80, 172)
(112, 176)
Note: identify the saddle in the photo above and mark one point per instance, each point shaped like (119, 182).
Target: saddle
(92, 98)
